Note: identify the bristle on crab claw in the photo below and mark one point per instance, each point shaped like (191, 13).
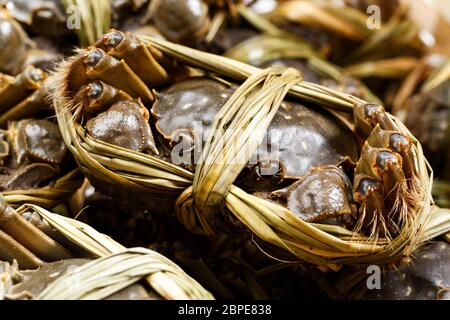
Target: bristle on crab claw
(385, 175)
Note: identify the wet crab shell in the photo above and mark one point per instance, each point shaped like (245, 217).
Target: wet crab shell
(37, 140)
(425, 277)
(14, 44)
(45, 17)
(299, 136)
(180, 20)
(31, 176)
(124, 125)
(427, 117)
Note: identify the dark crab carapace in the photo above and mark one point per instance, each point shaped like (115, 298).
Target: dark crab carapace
(35, 154)
(428, 119)
(14, 44)
(426, 277)
(305, 146)
(180, 20)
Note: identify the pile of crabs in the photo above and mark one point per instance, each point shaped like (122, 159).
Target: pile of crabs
(355, 170)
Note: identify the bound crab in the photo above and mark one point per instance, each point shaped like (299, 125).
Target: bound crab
(323, 169)
(17, 50)
(28, 239)
(33, 154)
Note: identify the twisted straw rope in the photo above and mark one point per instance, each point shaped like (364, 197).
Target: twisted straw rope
(199, 207)
(116, 268)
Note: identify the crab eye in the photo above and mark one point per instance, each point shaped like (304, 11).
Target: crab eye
(113, 39)
(386, 159)
(36, 74)
(399, 142)
(91, 58)
(94, 90)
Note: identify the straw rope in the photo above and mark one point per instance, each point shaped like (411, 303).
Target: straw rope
(116, 268)
(204, 197)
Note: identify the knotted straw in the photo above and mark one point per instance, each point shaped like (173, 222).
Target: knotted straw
(204, 198)
(116, 267)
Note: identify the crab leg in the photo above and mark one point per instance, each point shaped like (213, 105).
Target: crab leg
(136, 55)
(29, 236)
(369, 193)
(382, 172)
(118, 74)
(36, 220)
(99, 96)
(368, 115)
(396, 142)
(14, 90)
(10, 249)
(27, 108)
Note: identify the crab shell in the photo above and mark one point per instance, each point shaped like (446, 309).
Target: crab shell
(14, 44)
(180, 20)
(426, 277)
(37, 140)
(299, 136)
(46, 17)
(124, 124)
(427, 119)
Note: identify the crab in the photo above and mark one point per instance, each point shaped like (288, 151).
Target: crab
(34, 154)
(180, 20)
(199, 23)
(46, 17)
(309, 170)
(310, 149)
(113, 83)
(425, 277)
(427, 117)
(28, 239)
(28, 284)
(14, 44)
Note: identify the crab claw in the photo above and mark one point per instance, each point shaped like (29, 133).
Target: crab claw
(386, 158)
(98, 96)
(368, 192)
(124, 124)
(101, 66)
(368, 115)
(323, 193)
(138, 56)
